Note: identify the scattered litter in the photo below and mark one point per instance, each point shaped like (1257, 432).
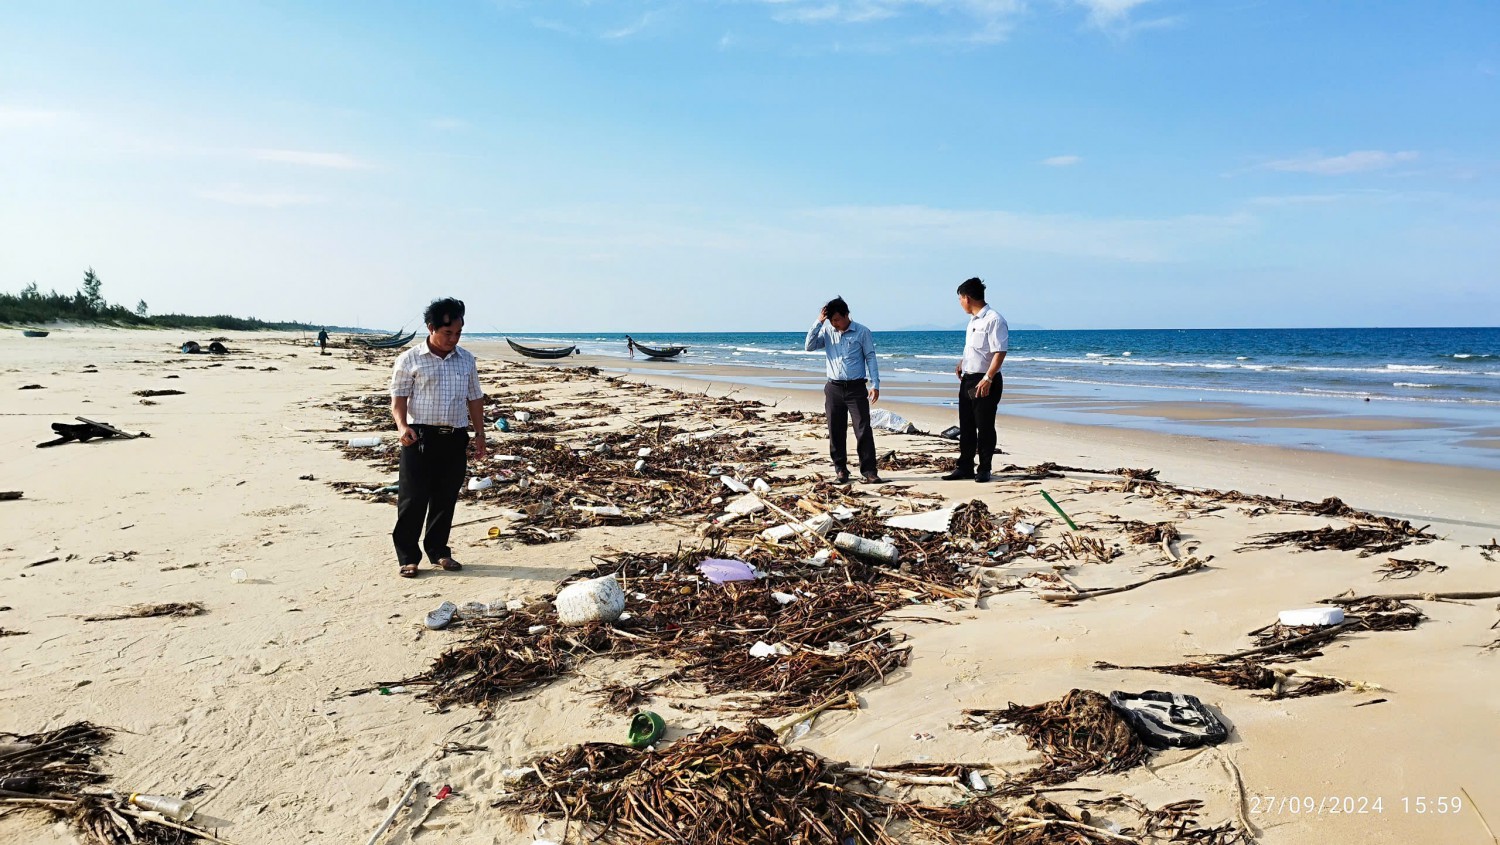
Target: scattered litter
(877, 550)
(734, 484)
(239, 576)
(720, 571)
(481, 482)
(783, 598)
(932, 521)
(593, 600)
(645, 729)
(887, 421)
(363, 442)
(763, 649)
(1168, 719)
(442, 617)
(951, 433)
(10, 495)
(1311, 616)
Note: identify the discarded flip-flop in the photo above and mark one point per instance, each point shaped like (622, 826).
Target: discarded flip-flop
(645, 728)
(441, 618)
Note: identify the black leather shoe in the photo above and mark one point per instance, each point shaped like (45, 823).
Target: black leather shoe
(871, 479)
(982, 476)
(959, 475)
(841, 476)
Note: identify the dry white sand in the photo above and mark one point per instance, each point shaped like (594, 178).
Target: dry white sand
(246, 698)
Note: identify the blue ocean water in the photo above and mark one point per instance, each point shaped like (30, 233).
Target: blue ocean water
(1430, 366)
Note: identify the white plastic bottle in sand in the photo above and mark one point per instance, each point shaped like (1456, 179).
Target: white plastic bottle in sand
(872, 549)
(173, 808)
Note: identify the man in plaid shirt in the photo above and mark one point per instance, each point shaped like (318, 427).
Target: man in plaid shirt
(436, 402)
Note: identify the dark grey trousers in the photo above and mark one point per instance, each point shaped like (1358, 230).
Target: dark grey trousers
(843, 402)
(432, 471)
(976, 422)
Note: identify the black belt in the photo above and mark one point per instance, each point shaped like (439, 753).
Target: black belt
(846, 381)
(442, 429)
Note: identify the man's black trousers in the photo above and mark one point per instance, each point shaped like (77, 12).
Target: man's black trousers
(843, 401)
(976, 422)
(432, 471)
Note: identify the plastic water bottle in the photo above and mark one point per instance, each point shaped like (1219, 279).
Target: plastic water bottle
(363, 442)
(873, 549)
(173, 808)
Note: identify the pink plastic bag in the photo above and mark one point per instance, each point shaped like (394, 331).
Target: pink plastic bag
(720, 571)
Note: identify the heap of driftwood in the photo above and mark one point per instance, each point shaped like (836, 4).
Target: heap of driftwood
(55, 772)
(829, 633)
(1368, 540)
(1280, 644)
(146, 611)
(743, 787)
(1397, 569)
(1078, 734)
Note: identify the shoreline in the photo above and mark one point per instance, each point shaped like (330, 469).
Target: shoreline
(1400, 488)
(253, 697)
(1440, 432)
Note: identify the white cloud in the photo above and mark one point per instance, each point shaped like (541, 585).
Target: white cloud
(1109, 14)
(333, 161)
(632, 29)
(1062, 161)
(259, 199)
(991, 16)
(18, 118)
(1359, 161)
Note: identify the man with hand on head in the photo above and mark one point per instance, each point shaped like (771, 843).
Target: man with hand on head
(852, 371)
(437, 404)
(979, 383)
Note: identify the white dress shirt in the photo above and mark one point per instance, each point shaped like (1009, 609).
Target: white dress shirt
(988, 333)
(439, 388)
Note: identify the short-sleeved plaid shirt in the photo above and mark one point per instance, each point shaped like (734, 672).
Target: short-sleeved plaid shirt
(440, 389)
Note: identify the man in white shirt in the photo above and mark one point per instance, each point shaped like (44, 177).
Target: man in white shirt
(437, 403)
(979, 383)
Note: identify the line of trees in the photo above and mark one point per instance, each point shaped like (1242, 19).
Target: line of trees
(87, 305)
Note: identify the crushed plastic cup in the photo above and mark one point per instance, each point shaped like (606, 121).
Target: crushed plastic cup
(481, 482)
(239, 576)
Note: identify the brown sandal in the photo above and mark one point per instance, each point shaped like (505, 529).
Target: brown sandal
(448, 564)
(409, 571)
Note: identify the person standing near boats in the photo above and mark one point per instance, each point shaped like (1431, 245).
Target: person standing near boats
(979, 383)
(437, 403)
(853, 386)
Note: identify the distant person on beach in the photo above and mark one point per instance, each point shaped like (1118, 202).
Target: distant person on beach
(323, 341)
(437, 403)
(852, 371)
(979, 383)
(630, 345)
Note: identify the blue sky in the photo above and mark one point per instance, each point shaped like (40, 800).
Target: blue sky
(651, 166)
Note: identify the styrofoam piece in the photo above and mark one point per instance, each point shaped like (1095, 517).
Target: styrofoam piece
(594, 600)
(746, 505)
(933, 521)
(734, 484)
(363, 442)
(481, 482)
(1311, 616)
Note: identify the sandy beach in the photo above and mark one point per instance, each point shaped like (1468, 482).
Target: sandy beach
(251, 700)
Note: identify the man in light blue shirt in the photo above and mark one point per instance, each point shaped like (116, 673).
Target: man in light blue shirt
(853, 386)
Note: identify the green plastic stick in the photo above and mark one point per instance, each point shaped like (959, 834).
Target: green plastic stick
(1059, 510)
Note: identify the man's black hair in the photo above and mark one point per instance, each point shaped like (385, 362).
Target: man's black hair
(837, 307)
(973, 289)
(442, 312)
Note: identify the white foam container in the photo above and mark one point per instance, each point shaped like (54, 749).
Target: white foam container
(1311, 616)
(594, 600)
